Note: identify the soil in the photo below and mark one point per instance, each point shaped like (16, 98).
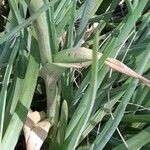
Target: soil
(3, 13)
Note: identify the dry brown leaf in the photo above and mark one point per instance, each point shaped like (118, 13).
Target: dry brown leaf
(35, 130)
(122, 68)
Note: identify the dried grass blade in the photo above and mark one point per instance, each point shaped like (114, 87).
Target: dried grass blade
(121, 67)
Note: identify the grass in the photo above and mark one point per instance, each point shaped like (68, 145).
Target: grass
(56, 56)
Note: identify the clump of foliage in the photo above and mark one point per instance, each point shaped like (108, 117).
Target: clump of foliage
(62, 51)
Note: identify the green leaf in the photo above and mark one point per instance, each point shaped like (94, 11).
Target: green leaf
(24, 24)
(63, 122)
(3, 93)
(16, 122)
(72, 140)
(137, 141)
(112, 124)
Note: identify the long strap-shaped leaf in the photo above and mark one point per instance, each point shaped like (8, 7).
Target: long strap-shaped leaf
(137, 141)
(24, 24)
(88, 8)
(3, 93)
(16, 122)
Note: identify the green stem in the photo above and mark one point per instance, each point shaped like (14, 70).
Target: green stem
(51, 73)
(51, 101)
(42, 31)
